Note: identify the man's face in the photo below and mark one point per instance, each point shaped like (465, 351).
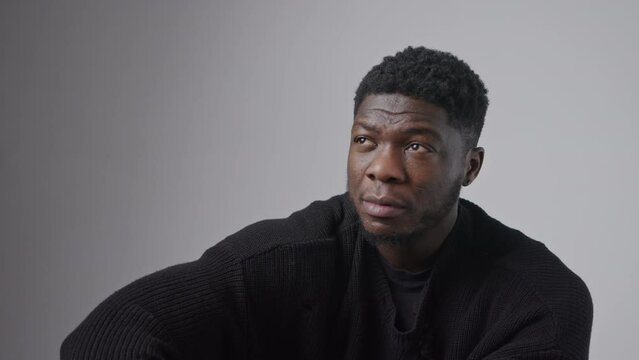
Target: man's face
(406, 166)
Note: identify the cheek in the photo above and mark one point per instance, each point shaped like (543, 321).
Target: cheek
(352, 175)
(356, 167)
(433, 177)
(422, 174)
(350, 164)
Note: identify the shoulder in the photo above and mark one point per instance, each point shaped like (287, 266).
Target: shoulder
(510, 250)
(528, 272)
(172, 310)
(321, 221)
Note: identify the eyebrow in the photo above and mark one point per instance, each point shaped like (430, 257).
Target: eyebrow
(365, 126)
(417, 130)
(422, 131)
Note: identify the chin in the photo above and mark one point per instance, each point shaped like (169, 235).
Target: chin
(391, 237)
(378, 233)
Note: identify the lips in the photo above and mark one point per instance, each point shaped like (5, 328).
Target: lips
(382, 207)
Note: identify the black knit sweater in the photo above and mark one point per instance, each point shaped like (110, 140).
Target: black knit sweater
(310, 287)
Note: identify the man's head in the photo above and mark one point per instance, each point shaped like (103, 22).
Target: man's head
(436, 77)
(418, 116)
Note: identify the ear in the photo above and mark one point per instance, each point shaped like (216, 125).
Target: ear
(474, 160)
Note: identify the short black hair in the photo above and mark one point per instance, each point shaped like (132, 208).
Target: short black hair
(434, 76)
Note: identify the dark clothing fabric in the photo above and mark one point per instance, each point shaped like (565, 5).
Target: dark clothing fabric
(407, 289)
(311, 287)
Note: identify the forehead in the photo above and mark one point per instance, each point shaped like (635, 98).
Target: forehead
(396, 109)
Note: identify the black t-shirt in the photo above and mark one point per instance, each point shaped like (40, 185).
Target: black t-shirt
(407, 291)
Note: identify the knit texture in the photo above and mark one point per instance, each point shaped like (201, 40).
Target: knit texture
(310, 287)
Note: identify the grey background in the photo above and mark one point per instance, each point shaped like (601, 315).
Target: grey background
(134, 135)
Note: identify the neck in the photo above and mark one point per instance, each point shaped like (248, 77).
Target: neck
(414, 255)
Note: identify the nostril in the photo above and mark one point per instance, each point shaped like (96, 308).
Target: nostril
(391, 179)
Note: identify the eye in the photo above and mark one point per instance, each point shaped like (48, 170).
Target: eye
(363, 143)
(418, 147)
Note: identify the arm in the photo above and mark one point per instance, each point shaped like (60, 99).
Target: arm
(129, 332)
(555, 331)
(187, 311)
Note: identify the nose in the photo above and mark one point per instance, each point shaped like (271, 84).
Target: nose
(387, 166)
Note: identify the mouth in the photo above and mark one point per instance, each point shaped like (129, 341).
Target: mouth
(382, 207)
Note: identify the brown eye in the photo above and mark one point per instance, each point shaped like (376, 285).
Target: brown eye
(418, 147)
(360, 139)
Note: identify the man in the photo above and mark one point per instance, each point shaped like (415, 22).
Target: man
(397, 268)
